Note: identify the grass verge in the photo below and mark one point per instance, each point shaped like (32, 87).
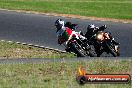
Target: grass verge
(13, 50)
(60, 74)
(119, 9)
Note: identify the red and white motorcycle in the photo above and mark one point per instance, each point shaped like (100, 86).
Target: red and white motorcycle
(72, 41)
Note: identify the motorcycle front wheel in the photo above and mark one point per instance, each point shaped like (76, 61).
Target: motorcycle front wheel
(111, 49)
(77, 49)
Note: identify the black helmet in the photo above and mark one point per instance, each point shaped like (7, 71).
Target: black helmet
(59, 23)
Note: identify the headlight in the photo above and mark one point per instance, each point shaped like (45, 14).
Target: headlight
(100, 37)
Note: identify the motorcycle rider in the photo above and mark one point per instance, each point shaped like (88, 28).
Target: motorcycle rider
(91, 30)
(70, 25)
(62, 28)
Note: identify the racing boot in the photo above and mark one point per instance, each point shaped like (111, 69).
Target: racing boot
(116, 43)
(116, 47)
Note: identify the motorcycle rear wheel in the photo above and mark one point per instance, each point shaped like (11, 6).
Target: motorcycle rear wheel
(91, 51)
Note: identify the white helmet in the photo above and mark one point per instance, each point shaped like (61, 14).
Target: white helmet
(91, 26)
(59, 23)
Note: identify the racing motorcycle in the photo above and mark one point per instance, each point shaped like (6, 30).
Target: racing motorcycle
(74, 44)
(104, 41)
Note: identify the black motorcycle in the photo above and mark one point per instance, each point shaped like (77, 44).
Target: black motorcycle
(103, 42)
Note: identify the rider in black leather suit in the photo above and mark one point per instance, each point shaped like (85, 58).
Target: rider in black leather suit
(91, 30)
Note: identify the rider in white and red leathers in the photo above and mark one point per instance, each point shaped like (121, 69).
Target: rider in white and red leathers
(61, 30)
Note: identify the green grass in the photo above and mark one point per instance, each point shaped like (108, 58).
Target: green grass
(13, 50)
(120, 9)
(60, 74)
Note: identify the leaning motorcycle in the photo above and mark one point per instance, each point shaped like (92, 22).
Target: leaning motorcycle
(104, 41)
(76, 45)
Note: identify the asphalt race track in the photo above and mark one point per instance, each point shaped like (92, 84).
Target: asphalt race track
(40, 30)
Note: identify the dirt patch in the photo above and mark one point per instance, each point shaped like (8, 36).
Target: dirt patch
(75, 16)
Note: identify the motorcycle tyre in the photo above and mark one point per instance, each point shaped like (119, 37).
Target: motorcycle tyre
(76, 51)
(111, 51)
